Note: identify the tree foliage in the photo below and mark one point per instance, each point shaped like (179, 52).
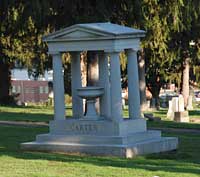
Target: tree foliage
(170, 26)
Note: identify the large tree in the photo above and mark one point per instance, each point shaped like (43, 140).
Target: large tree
(170, 26)
(21, 29)
(167, 23)
(183, 44)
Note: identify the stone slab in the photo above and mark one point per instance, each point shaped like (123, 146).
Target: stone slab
(144, 147)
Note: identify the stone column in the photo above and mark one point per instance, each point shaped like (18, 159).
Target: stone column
(115, 87)
(105, 110)
(77, 103)
(58, 87)
(133, 85)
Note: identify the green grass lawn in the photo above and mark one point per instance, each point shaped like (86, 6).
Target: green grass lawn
(166, 123)
(29, 113)
(185, 162)
(45, 114)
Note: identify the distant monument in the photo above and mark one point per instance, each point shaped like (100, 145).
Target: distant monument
(190, 106)
(176, 110)
(106, 132)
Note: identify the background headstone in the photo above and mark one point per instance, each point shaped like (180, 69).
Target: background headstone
(180, 104)
(190, 106)
(175, 104)
(170, 112)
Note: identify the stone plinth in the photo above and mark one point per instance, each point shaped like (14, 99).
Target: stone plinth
(181, 116)
(103, 137)
(97, 127)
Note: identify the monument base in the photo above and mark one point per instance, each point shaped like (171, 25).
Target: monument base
(121, 150)
(125, 139)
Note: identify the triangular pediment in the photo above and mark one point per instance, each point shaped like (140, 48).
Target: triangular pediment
(79, 33)
(93, 31)
(75, 33)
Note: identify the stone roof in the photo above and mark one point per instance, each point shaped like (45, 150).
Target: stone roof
(111, 28)
(93, 30)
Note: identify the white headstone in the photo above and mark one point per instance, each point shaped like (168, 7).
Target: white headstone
(180, 103)
(190, 106)
(170, 112)
(175, 104)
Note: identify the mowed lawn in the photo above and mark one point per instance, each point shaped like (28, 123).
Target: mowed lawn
(45, 114)
(185, 162)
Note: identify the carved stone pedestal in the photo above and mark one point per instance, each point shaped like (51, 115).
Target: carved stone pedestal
(103, 137)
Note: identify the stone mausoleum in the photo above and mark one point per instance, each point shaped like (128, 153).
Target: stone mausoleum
(103, 132)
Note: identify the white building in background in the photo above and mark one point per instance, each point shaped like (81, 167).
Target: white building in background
(22, 74)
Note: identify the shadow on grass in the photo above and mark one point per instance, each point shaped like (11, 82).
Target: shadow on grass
(172, 124)
(147, 163)
(194, 113)
(185, 160)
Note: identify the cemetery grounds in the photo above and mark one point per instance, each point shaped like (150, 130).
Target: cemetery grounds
(33, 120)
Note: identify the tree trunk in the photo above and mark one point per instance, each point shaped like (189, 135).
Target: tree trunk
(67, 79)
(83, 69)
(92, 69)
(154, 88)
(93, 73)
(185, 81)
(142, 82)
(5, 82)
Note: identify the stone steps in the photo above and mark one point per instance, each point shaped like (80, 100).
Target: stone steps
(155, 145)
(94, 139)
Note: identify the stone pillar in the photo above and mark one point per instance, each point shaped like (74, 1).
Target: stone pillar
(58, 87)
(115, 87)
(105, 110)
(133, 85)
(77, 103)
